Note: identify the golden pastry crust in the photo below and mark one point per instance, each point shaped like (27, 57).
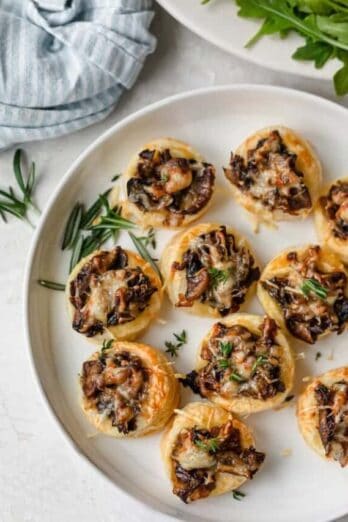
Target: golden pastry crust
(268, 358)
(205, 416)
(337, 241)
(308, 411)
(155, 401)
(176, 281)
(290, 276)
(199, 177)
(94, 324)
(286, 177)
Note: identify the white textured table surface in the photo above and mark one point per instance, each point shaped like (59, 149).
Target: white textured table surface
(41, 478)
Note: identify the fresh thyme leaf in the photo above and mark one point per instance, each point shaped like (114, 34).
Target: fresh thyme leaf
(106, 345)
(218, 276)
(236, 377)
(289, 398)
(238, 495)
(116, 177)
(72, 227)
(51, 284)
(141, 248)
(317, 356)
(181, 337)
(261, 359)
(226, 348)
(203, 2)
(311, 285)
(172, 347)
(211, 445)
(149, 239)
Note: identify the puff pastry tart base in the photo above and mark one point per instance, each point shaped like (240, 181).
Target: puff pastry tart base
(113, 294)
(322, 415)
(214, 282)
(253, 360)
(166, 185)
(197, 443)
(128, 389)
(276, 192)
(305, 291)
(331, 217)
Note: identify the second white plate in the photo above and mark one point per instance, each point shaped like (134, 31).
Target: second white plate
(218, 23)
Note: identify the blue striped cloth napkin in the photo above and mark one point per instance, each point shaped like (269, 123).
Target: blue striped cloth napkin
(64, 64)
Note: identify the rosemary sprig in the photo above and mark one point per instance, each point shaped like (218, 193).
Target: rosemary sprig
(72, 227)
(211, 445)
(172, 347)
(93, 211)
(51, 285)
(10, 203)
(311, 285)
(141, 248)
(238, 495)
(76, 253)
(25, 186)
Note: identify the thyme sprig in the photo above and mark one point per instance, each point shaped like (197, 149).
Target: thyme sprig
(173, 347)
(218, 276)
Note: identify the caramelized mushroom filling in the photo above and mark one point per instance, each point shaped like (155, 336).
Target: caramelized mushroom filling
(218, 272)
(178, 185)
(332, 404)
(313, 302)
(108, 293)
(335, 207)
(239, 363)
(269, 175)
(199, 455)
(116, 384)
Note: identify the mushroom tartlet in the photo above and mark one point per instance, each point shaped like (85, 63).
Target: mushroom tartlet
(207, 452)
(113, 294)
(168, 184)
(275, 175)
(305, 290)
(331, 218)
(209, 270)
(244, 364)
(128, 389)
(323, 415)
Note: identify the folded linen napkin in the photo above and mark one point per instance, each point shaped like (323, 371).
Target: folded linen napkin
(65, 63)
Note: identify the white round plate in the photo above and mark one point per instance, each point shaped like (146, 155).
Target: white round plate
(299, 487)
(218, 23)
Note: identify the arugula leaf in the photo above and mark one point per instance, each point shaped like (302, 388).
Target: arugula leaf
(323, 24)
(318, 52)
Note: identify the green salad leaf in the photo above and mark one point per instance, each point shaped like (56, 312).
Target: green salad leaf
(322, 23)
